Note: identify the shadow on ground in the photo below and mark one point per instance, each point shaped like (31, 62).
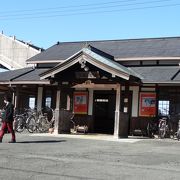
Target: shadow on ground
(44, 141)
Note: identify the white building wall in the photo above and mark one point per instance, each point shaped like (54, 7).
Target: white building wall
(135, 100)
(13, 53)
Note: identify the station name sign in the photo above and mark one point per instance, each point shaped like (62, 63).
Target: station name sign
(87, 75)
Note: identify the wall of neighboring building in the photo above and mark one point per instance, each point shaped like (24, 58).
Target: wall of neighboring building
(14, 53)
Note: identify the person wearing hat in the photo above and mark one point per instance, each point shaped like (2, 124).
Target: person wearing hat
(8, 119)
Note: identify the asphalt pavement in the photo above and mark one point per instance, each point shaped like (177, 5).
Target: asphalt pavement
(96, 157)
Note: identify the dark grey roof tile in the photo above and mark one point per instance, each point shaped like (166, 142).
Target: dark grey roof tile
(32, 75)
(25, 74)
(157, 74)
(8, 75)
(132, 48)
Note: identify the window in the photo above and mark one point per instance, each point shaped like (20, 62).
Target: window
(163, 107)
(32, 102)
(48, 98)
(48, 102)
(101, 100)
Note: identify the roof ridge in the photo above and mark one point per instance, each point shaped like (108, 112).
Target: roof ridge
(129, 39)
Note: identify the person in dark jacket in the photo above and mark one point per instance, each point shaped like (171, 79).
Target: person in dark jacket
(7, 120)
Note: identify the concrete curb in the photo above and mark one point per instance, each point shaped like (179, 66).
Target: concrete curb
(103, 137)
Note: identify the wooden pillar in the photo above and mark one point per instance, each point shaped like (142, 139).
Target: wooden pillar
(157, 99)
(127, 99)
(16, 100)
(90, 105)
(13, 98)
(135, 99)
(39, 98)
(117, 111)
(56, 124)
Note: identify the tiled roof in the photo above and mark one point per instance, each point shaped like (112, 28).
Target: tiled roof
(26, 75)
(154, 74)
(32, 75)
(160, 74)
(130, 48)
(9, 75)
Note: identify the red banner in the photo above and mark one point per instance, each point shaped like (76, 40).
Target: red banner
(147, 104)
(80, 102)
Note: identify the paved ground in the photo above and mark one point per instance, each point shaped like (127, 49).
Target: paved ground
(71, 157)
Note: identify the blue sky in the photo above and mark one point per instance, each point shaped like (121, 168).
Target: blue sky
(44, 22)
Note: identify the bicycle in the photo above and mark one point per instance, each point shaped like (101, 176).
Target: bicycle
(173, 124)
(25, 121)
(77, 127)
(163, 128)
(151, 128)
(177, 134)
(43, 124)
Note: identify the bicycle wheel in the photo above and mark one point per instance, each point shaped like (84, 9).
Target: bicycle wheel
(42, 125)
(162, 133)
(31, 124)
(178, 135)
(19, 124)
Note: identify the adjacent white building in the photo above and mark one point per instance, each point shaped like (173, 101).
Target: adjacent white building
(14, 52)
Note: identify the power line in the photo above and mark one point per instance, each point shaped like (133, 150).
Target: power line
(97, 12)
(68, 7)
(88, 8)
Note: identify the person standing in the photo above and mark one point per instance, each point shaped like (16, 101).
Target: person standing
(7, 120)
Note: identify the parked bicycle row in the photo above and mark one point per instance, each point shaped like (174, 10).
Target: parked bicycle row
(33, 120)
(165, 127)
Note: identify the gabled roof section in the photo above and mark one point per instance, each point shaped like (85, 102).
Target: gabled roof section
(86, 54)
(128, 49)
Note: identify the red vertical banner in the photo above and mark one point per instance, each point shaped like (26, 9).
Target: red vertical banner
(80, 102)
(147, 105)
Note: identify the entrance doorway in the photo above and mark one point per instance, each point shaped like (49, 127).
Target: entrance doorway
(104, 111)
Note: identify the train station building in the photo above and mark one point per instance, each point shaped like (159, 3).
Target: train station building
(112, 86)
